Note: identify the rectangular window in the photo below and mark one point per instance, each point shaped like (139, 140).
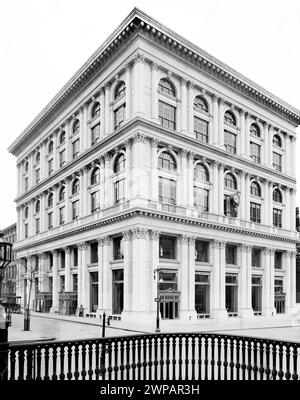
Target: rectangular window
(75, 148)
(75, 256)
(231, 256)
(94, 253)
(61, 215)
(278, 260)
(75, 210)
(202, 293)
(201, 198)
(256, 258)
(62, 259)
(255, 152)
(62, 283)
(255, 212)
(75, 283)
(50, 220)
(50, 166)
(95, 201)
(26, 230)
(118, 253)
(167, 115)
(257, 294)
(277, 162)
(50, 260)
(201, 251)
(119, 191)
(167, 279)
(167, 247)
(201, 129)
(230, 142)
(231, 296)
(37, 175)
(37, 226)
(119, 116)
(95, 133)
(26, 183)
(230, 210)
(62, 158)
(277, 218)
(167, 194)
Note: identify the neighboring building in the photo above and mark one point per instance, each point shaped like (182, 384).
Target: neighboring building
(10, 272)
(298, 260)
(156, 154)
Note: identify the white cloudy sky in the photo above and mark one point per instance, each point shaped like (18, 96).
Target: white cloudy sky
(44, 42)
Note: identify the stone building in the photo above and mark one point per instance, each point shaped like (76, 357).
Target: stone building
(158, 171)
(9, 234)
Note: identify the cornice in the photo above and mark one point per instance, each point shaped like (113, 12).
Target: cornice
(140, 212)
(139, 23)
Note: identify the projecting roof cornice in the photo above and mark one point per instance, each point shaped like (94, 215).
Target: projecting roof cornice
(139, 23)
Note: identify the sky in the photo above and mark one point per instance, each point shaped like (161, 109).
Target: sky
(44, 42)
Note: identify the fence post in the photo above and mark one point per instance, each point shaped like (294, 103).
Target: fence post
(3, 345)
(103, 325)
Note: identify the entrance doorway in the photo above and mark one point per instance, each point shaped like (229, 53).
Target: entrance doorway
(93, 291)
(257, 295)
(279, 296)
(232, 295)
(117, 291)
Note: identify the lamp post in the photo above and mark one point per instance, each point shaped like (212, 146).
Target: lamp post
(157, 299)
(5, 259)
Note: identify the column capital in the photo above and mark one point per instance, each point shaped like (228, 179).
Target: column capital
(154, 143)
(106, 240)
(154, 235)
(139, 138)
(55, 253)
(183, 239)
(67, 249)
(139, 232)
(154, 66)
(126, 235)
(100, 241)
(183, 153)
(191, 155)
(192, 240)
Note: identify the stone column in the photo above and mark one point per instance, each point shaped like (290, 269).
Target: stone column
(293, 280)
(245, 282)
(102, 112)
(243, 134)
(55, 302)
(292, 156)
(154, 171)
(190, 108)
(183, 108)
(68, 275)
(272, 276)
(55, 208)
(221, 123)
(215, 187)
(107, 184)
(138, 76)
(191, 283)
(85, 288)
(139, 179)
(190, 178)
(270, 145)
(247, 196)
(79, 278)
(107, 119)
(270, 202)
(128, 91)
(266, 145)
(221, 188)
(183, 189)
(127, 271)
(286, 218)
(154, 243)
(55, 151)
(268, 283)
(265, 205)
(84, 192)
(139, 267)
(30, 171)
(42, 257)
(86, 141)
(107, 276)
(101, 286)
(154, 95)
(101, 184)
(293, 209)
(215, 121)
(218, 310)
(287, 282)
(243, 195)
(184, 277)
(129, 180)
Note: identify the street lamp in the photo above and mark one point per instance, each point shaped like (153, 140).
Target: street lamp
(157, 299)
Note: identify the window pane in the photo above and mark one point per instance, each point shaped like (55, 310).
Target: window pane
(230, 142)
(201, 251)
(201, 198)
(167, 247)
(201, 129)
(166, 115)
(255, 152)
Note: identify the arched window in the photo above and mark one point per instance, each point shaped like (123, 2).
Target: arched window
(95, 176)
(120, 90)
(75, 187)
(50, 147)
(50, 200)
(26, 167)
(201, 173)
(26, 212)
(61, 194)
(76, 127)
(277, 141)
(37, 158)
(119, 164)
(167, 162)
(230, 182)
(200, 104)
(254, 130)
(37, 207)
(95, 110)
(277, 196)
(255, 189)
(165, 86)
(229, 118)
(62, 137)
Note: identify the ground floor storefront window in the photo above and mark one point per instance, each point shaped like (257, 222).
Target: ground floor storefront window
(279, 296)
(231, 299)
(168, 294)
(202, 293)
(117, 291)
(257, 294)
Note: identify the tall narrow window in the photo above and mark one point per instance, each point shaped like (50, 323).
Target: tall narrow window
(167, 193)
(95, 176)
(95, 201)
(119, 191)
(120, 90)
(75, 210)
(119, 117)
(95, 133)
(277, 161)
(95, 110)
(255, 152)
(201, 129)
(76, 127)
(75, 148)
(167, 115)
(167, 162)
(230, 142)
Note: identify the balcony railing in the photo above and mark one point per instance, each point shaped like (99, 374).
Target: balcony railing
(170, 356)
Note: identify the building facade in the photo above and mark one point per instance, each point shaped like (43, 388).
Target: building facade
(158, 172)
(10, 272)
